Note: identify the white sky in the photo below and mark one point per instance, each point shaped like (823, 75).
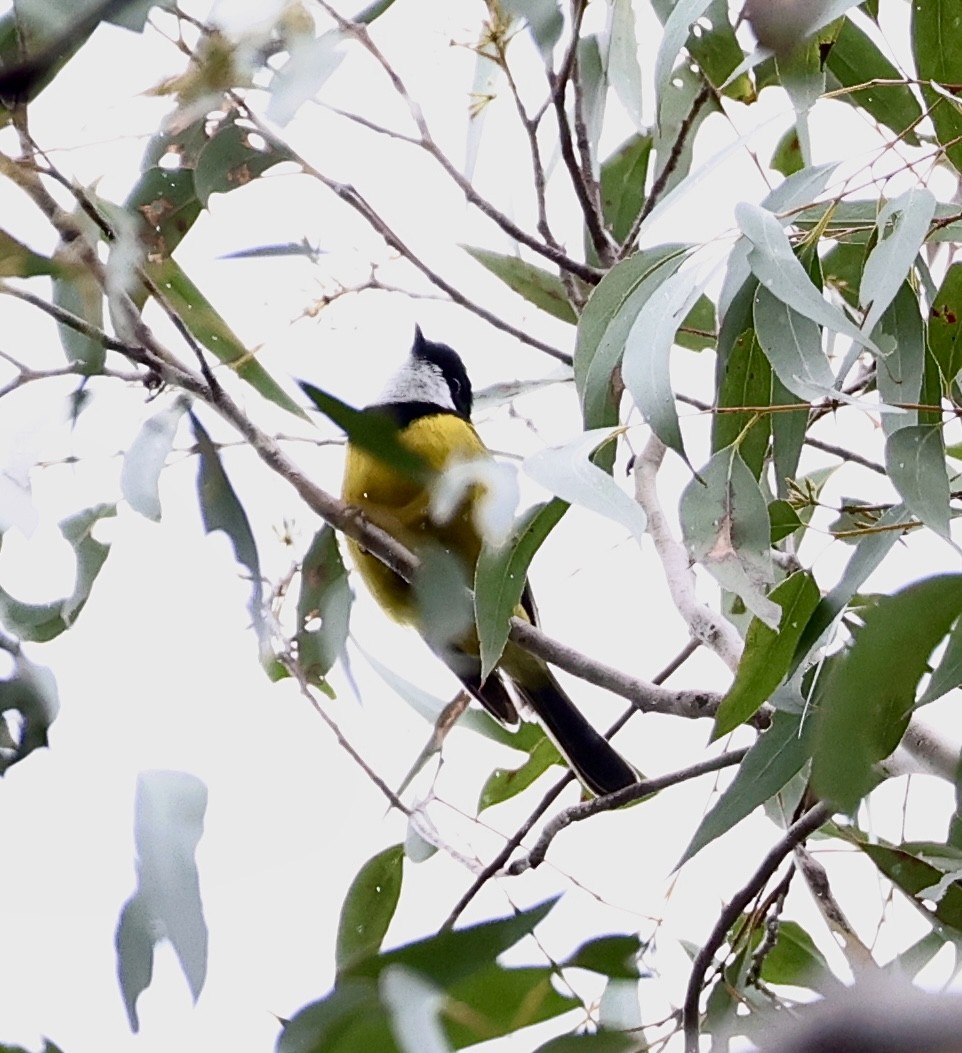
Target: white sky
(161, 671)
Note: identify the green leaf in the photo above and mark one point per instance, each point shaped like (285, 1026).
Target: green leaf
(349, 1019)
(699, 328)
(777, 756)
(795, 960)
(221, 509)
(606, 321)
(455, 954)
(30, 692)
(591, 1042)
(715, 49)
(43, 621)
(210, 329)
(945, 325)
(793, 345)
(543, 18)
(911, 867)
(784, 519)
(865, 702)
(369, 907)
(787, 156)
(231, 158)
(166, 204)
(768, 652)
(842, 270)
(19, 261)
(168, 822)
(900, 371)
(621, 59)
(373, 11)
(677, 26)
(612, 956)
(623, 180)
(369, 430)
(854, 59)
(498, 1001)
(324, 597)
(915, 462)
(743, 379)
(145, 459)
(675, 114)
(537, 286)
(948, 673)
(903, 225)
(500, 576)
(937, 58)
(724, 523)
(504, 783)
(76, 290)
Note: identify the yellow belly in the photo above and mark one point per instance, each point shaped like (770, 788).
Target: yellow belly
(400, 506)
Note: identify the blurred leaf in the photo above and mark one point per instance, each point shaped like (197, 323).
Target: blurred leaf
(504, 783)
(948, 673)
(39, 622)
(715, 48)
(787, 157)
(645, 367)
(168, 822)
(621, 59)
(865, 703)
(568, 472)
(937, 58)
(542, 17)
(498, 1001)
(372, 11)
(349, 1019)
(166, 204)
(743, 378)
(310, 62)
(594, 89)
(854, 59)
(674, 116)
(623, 181)
(19, 261)
(591, 1042)
(612, 956)
(793, 345)
(290, 248)
(536, 285)
(724, 523)
(210, 330)
(842, 269)
(369, 907)
(768, 652)
(454, 955)
(76, 290)
(145, 459)
(221, 509)
(324, 597)
(369, 430)
(500, 576)
(698, 329)
(853, 222)
(784, 519)
(606, 321)
(945, 325)
(795, 960)
(915, 462)
(176, 145)
(233, 157)
(677, 27)
(777, 756)
(903, 225)
(779, 271)
(900, 334)
(31, 693)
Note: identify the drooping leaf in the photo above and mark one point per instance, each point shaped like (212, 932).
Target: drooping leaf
(938, 59)
(768, 652)
(677, 128)
(19, 261)
(606, 321)
(145, 459)
(787, 156)
(724, 523)
(543, 19)
(536, 285)
(623, 181)
(165, 202)
(369, 906)
(568, 472)
(323, 607)
(915, 462)
(500, 577)
(903, 225)
(793, 345)
(210, 330)
(777, 756)
(168, 822)
(621, 59)
(39, 622)
(901, 368)
(854, 59)
(76, 290)
(29, 696)
(645, 368)
(713, 45)
(796, 960)
(612, 956)
(676, 31)
(948, 673)
(842, 270)
(310, 62)
(865, 702)
(231, 158)
(504, 783)
(780, 272)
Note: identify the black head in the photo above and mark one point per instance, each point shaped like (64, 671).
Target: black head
(449, 363)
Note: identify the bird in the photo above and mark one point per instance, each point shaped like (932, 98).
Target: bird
(429, 401)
